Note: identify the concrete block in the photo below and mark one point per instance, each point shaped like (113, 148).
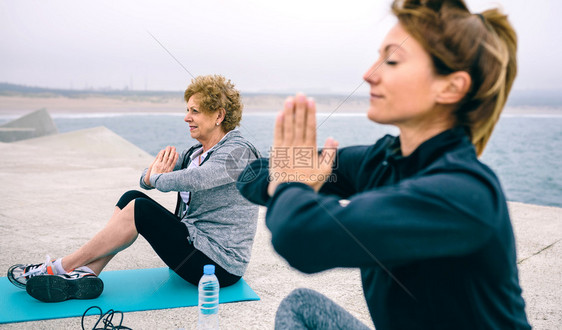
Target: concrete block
(36, 124)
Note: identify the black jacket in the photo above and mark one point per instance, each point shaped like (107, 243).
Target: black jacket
(430, 232)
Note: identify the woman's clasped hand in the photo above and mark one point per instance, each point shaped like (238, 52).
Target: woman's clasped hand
(294, 155)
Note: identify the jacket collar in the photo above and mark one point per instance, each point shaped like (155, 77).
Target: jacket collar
(425, 153)
(235, 133)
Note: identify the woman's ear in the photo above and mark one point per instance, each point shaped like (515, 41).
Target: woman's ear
(221, 114)
(454, 87)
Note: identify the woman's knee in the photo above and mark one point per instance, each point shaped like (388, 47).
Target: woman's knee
(142, 205)
(292, 309)
(129, 196)
(303, 294)
(308, 309)
(297, 298)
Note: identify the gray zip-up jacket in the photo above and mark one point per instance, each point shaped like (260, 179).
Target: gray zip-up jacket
(221, 223)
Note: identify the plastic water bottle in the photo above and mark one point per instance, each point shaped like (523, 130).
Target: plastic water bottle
(208, 299)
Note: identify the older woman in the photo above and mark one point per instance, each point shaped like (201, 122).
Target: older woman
(212, 224)
(427, 223)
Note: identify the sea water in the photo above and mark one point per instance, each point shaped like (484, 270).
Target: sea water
(524, 151)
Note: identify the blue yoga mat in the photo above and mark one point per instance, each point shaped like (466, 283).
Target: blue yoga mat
(124, 290)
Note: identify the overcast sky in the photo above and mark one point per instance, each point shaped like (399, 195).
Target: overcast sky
(285, 45)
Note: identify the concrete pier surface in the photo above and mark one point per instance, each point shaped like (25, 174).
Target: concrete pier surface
(58, 190)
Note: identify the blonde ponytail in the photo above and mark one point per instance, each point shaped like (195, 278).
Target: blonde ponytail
(502, 46)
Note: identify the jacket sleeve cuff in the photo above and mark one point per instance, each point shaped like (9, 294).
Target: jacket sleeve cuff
(143, 184)
(153, 179)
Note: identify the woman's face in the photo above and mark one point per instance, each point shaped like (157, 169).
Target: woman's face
(202, 125)
(402, 82)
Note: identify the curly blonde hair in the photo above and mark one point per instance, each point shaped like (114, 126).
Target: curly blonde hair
(484, 45)
(215, 92)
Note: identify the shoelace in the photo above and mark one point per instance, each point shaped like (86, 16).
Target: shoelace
(107, 324)
(36, 269)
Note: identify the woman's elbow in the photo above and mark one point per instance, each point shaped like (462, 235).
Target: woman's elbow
(295, 252)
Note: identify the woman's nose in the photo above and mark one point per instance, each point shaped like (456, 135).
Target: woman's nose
(187, 117)
(372, 75)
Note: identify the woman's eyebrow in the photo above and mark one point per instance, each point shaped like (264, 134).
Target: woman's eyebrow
(395, 47)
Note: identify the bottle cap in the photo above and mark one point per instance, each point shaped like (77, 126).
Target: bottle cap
(209, 269)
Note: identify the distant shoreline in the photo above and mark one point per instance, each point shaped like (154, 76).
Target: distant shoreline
(18, 105)
(22, 104)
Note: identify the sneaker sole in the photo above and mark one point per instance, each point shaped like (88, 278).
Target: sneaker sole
(50, 288)
(11, 278)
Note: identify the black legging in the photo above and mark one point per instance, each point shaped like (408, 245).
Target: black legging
(168, 237)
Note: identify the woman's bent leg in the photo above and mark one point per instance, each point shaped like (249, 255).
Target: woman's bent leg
(118, 234)
(137, 213)
(308, 309)
(99, 264)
